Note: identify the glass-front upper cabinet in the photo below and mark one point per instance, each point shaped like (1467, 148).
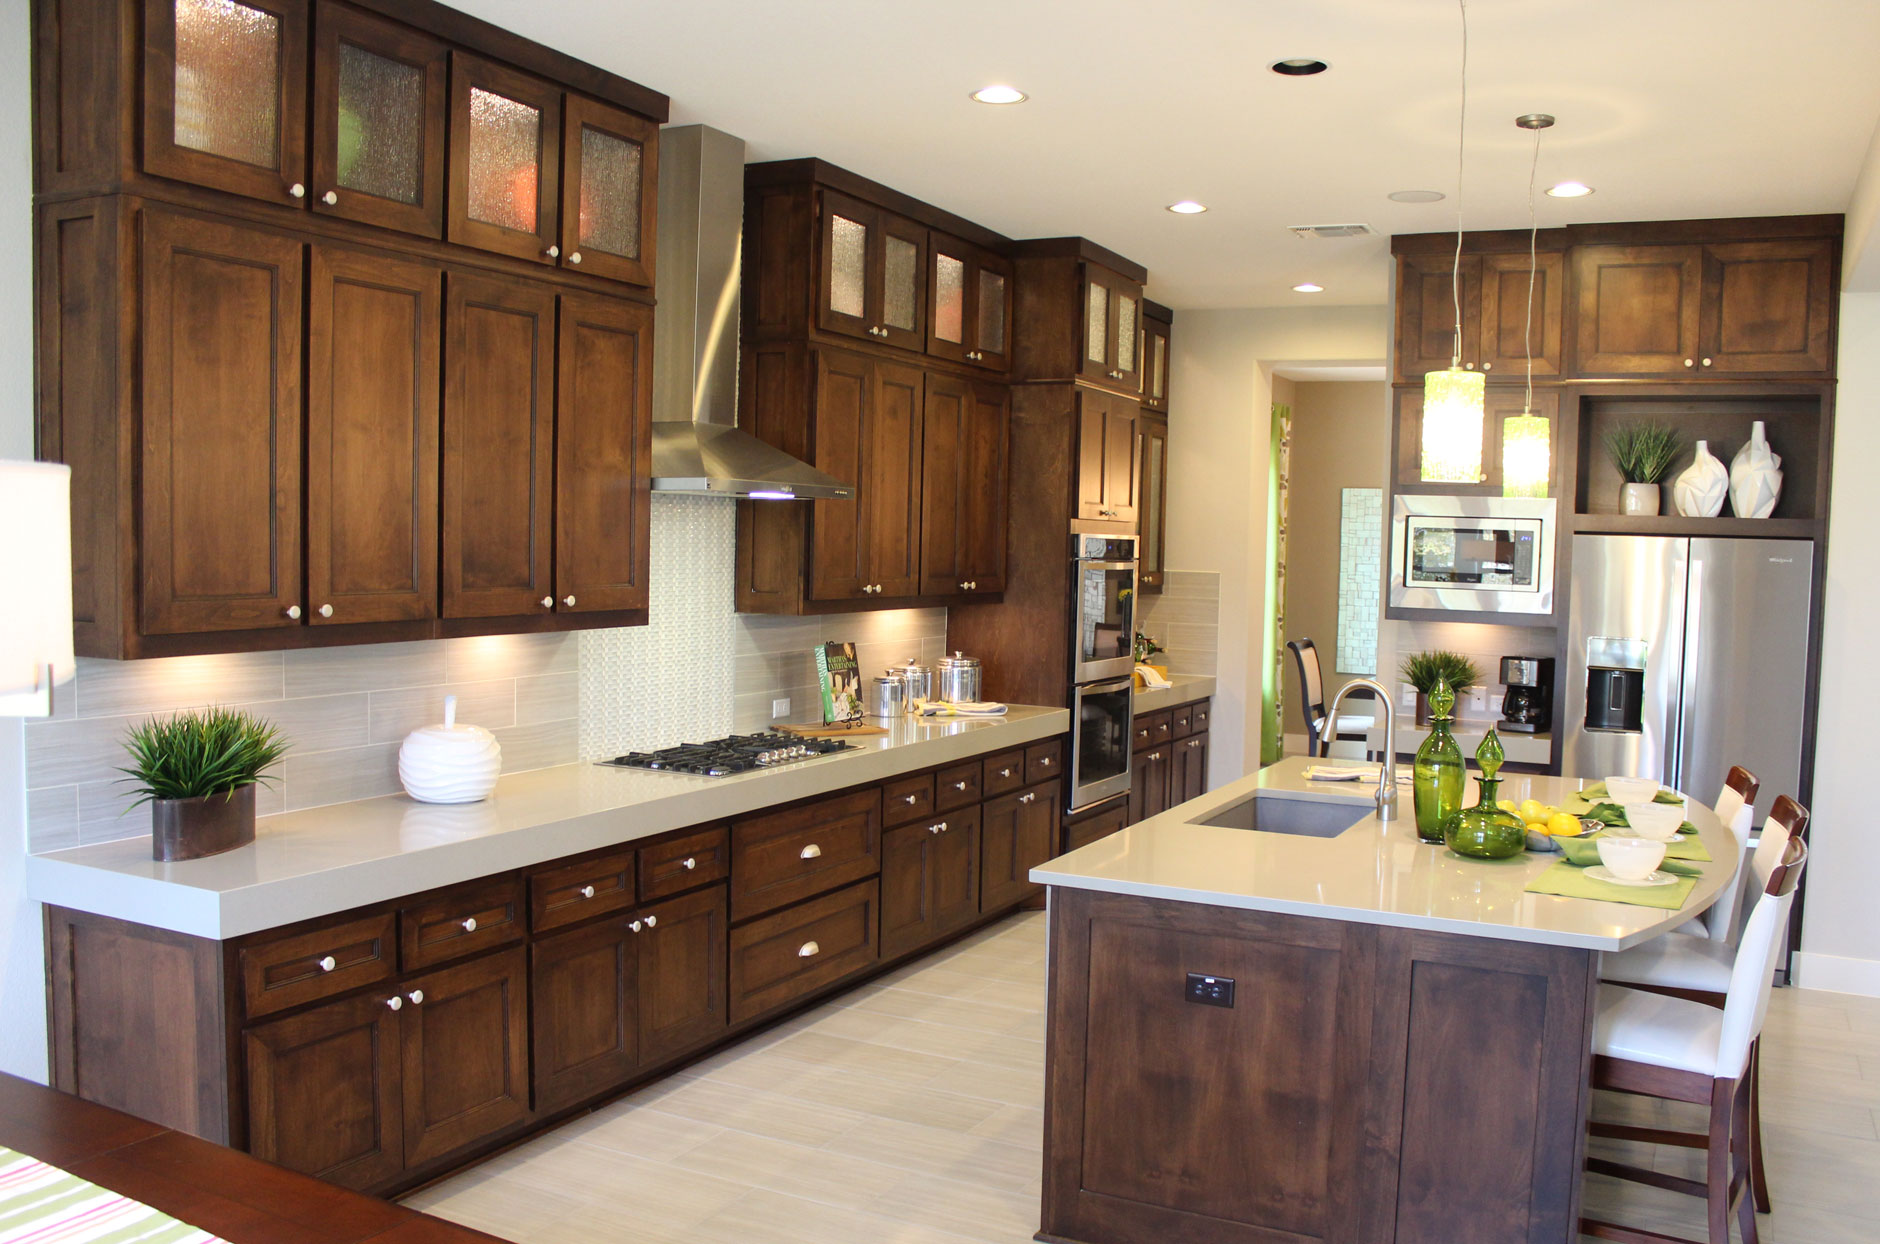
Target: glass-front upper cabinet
(505, 160)
(380, 95)
(1152, 495)
(611, 163)
(225, 95)
(1111, 352)
(872, 280)
(1155, 334)
(969, 316)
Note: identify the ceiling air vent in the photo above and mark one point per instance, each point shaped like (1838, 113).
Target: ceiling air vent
(1330, 231)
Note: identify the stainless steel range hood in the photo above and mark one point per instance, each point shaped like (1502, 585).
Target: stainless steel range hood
(697, 446)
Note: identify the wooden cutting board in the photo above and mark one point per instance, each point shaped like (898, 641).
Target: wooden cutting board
(820, 731)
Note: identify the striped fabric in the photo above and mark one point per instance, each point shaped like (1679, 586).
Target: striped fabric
(41, 1204)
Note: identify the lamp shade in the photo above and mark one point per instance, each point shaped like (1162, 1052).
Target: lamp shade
(35, 584)
(1526, 459)
(1454, 400)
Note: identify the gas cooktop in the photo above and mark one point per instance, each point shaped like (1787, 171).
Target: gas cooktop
(740, 753)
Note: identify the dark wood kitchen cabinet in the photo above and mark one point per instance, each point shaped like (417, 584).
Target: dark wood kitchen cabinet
(868, 429)
(1495, 325)
(1188, 773)
(1637, 309)
(964, 431)
(610, 162)
(1157, 325)
(929, 880)
(1018, 832)
(1108, 471)
(1111, 330)
(872, 273)
(1152, 498)
(603, 454)
(1151, 782)
(969, 307)
(505, 160)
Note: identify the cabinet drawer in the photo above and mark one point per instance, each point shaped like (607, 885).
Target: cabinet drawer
(460, 922)
(785, 956)
(1044, 761)
(1202, 709)
(1088, 829)
(684, 863)
(1181, 721)
(906, 800)
(956, 787)
(1150, 729)
(573, 892)
(317, 964)
(787, 856)
(1004, 773)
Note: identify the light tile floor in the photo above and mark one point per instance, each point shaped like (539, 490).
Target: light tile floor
(908, 1111)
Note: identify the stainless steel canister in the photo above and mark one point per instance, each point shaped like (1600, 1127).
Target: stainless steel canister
(917, 679)
(959, 678)
(888, 697)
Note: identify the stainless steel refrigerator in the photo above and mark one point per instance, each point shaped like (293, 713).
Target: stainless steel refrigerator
(1686, 656)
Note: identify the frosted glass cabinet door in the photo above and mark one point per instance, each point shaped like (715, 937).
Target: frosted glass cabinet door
(612, 166)
(872, 274)
(225, 95)
(969, 303)
(380, 93)
(505, 160)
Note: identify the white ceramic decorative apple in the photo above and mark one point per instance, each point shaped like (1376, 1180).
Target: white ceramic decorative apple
(449, 763)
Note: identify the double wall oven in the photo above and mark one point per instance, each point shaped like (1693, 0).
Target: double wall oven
(1103, 621)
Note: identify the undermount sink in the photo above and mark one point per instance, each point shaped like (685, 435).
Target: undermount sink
(1272, 813)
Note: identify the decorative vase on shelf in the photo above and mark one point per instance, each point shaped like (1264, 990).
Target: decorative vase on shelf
(1699, 492)
(1755, 477)
(1486, 832)
(1437, 775)
(449, 763)
(1639, 499)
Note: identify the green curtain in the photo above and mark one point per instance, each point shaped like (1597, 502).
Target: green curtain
(1278, 485)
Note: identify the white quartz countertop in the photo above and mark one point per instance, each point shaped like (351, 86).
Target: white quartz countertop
(1182, 689)
(1376, 872)
(324, 860)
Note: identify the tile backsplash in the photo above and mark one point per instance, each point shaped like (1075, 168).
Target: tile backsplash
(1185, 618)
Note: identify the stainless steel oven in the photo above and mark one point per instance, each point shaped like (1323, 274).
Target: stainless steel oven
(1103, 608)
(1472, 554)
(1102, 715)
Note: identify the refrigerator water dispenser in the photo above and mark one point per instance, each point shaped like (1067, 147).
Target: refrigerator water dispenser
(1615, 683)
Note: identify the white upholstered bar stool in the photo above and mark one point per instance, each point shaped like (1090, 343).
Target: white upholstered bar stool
(1349, 728)
(1674, 1048)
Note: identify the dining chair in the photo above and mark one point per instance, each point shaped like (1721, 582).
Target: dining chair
(1700, 970)
(1656, 1045)
(1349, 728)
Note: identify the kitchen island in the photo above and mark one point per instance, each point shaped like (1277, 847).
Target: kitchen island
(1262, 1036)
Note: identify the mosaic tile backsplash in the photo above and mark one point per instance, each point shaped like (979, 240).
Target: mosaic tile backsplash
(1360, 553)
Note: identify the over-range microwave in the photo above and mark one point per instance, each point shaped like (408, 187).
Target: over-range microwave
(1472, 554)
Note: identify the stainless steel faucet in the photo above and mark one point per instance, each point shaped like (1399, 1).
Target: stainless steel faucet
(1387, 776)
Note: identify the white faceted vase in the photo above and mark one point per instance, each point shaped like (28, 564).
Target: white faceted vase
(1699, 492)
(1755, 477)
(449, 763)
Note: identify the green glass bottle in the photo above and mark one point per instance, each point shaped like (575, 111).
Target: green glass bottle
(1437, 775)
(1485, 831)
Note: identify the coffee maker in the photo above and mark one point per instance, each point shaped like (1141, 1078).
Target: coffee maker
(1528, 708)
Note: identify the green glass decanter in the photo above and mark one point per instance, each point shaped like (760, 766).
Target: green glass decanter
(1486, 832)
(1437, 775)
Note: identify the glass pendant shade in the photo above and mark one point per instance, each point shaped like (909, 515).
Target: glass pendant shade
(1526, 462)
(1454, 401)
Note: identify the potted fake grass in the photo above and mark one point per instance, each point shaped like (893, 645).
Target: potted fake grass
(198, 771)
(1643, 452)
(1423, 670)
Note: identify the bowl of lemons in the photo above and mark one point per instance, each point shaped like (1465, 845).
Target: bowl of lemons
(1547, 824)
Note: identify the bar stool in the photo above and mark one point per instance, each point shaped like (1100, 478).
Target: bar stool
(1680, 1050)
(1700, 969)
(1349, 728)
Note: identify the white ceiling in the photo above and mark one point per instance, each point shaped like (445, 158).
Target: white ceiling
(1670, 108)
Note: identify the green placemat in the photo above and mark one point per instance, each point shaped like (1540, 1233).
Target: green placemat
(1581, 802)
(1585, 851)
(40, 1201)
(1565, 879)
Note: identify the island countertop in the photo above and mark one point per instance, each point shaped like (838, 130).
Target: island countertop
(322, 860)
(1376, 872)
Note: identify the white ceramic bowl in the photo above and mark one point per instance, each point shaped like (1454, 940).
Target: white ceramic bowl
(1631, 858)
(1631, 790)
(1657, 821)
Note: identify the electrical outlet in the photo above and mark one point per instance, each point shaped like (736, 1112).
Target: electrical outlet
(1407, 696)
(1478, 699)
(1211, 990)
(780, 708)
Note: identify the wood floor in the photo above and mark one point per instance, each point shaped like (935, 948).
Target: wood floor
(908, 1112)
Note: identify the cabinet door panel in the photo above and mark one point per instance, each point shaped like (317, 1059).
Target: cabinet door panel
(225, 95)
(1097, 332)
(505, 160)
(929, 880)
(992, 307)
(499, 383)
(963, 487)
(891, 480)
(1018, 832)
(584, 1010)
(1120, 468)
(612, 168)
(1768, 306)
(323, 1091)
(373, 338)
(1426, 312)
(1190, 780)
(1093, 411)
(1507, 334)
(1129, 338)
(466, 1054)
(220, 544)
(682, 974)
(1152, 495)
(951, 310)
(1155, 364)
(848, 290)
(902, 271)
(380, 99)
(839, 567)
(1637, 309)
(603, 440)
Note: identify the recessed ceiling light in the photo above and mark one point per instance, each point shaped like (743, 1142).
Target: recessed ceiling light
(999, 95)
(1415, 196)
(1298, 67)
(1188, 207)
(1570, 190)
(1308, 287)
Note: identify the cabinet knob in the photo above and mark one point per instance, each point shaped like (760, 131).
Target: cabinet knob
(416, 996)
(959, 786)
(568, 601)
(690, 863)
(974, 585)
(326, 611)
(1706, 362)
(634, 925)
(329, 198)
(910, 800)
(328, 963)
(1689, 363)
(297, 190)
(807, 950)
(1044, 762)
(1005, 773)
(469, 924)
(548, 602)
(553, 252)
(1027, 797)
(395, 1002)
(574, 257)
(651, 921)
(587, 891)
(293, 611)
(964, 587)
(1487, 366)
(810, 852)
(1155, 755)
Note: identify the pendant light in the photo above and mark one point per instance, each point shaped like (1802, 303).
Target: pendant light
(1454, 399)
(1526, 460)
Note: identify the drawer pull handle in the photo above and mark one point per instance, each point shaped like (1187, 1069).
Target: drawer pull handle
(587, 891)
(469, 924)
(910, 800)
(328, 963)
(959, 786)
(1027, 797)
(416, 996)
(1005, 773)
(395, 1002)
(651, 921)
(635, 926)
(809, 852)
(941, 828)
(807, 950)
(1045, 763)
(690, 863)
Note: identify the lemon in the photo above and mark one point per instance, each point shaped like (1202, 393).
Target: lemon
(1563, 823)
(1533, 810)
(1506, 805)
(1537, 827)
